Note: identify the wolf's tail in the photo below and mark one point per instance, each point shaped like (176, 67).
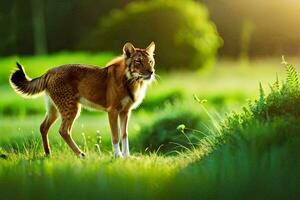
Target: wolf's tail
(26, 86)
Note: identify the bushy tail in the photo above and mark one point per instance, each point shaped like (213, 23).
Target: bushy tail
(26, 86)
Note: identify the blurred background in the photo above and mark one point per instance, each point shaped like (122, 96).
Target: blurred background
(233, 27)
(219, 50)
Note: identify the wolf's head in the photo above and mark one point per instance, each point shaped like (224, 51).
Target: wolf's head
(139, 62)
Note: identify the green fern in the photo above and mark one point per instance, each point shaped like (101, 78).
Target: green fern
(276, 86)
(292, 79)
(262, 99)
(258, 107)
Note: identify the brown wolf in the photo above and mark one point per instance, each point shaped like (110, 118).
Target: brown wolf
(117, 89)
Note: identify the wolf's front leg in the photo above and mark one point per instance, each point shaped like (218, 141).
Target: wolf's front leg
(113, 122)
(124, 118)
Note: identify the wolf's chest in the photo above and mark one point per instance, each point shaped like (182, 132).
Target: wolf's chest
(138, 95)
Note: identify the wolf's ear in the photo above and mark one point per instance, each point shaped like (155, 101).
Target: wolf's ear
(151, 48)
(128, 49)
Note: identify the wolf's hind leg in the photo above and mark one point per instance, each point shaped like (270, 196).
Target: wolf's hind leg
(68, 116)
(50, 118)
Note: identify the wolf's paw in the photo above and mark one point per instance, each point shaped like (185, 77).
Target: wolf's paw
(118, 155)
(126, 154)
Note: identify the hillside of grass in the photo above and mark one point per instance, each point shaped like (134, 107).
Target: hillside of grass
(256, 153)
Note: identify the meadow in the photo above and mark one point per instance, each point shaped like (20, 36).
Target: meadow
(196, 136)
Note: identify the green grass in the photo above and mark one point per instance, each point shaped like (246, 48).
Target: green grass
(250, 154)
(96, 177)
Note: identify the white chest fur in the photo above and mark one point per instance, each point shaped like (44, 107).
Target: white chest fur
(139, 95)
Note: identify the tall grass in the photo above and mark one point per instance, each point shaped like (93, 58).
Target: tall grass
(256, 156)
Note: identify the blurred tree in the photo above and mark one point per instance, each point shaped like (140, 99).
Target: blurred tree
(67, 21)
(16, 27)
(185, 37)
(13, 27)
(8, 19)
(40, 43)
(246, 34)
(276, 25)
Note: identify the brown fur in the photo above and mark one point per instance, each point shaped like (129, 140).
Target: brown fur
(117, 88)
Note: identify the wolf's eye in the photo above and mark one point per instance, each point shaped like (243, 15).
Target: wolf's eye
(151, 62)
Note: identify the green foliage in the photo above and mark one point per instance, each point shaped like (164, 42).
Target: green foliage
(257, 150)
(158, 100)
(163, 134)
(185, 37)
(66, 22)
(283, 100)
(259, 106)
(292, 79)
(269, 121)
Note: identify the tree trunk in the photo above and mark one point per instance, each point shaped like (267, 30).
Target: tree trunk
(39, 33)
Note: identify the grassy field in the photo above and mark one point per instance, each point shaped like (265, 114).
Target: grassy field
(246, 155)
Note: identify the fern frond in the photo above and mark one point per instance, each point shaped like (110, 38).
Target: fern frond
(261, 94)
(292, 76)
(276, 84)
(259, 105)
(292, 79)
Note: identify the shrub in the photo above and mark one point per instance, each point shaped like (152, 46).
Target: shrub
(158, 100)
(184, 35)
(255, 153)
(266, 126)
(270, 121)
(162, 135)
